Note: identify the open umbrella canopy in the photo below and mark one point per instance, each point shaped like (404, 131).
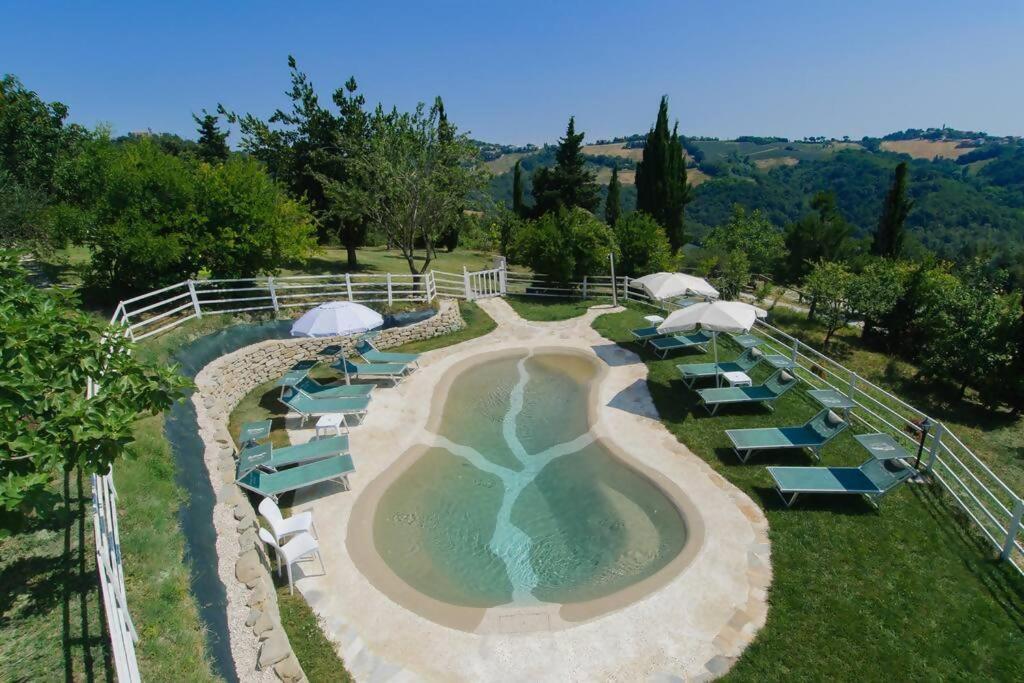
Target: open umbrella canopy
(669, 285)
(713, 316)
(336, 318)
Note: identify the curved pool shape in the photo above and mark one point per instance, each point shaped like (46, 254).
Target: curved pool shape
(516, 502)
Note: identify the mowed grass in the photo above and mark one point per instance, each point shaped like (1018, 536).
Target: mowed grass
(542, 310)
(905, 593)
(381, 260)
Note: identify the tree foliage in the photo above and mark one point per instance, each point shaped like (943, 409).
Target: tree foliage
(890, 234)
(49, 350)
(662, 190)
(564, 245)
(213, 142)
(612, 202)
(752, 233)
(828, 284)
(643, 246)
(569, 183)
(517, 190)
(821, 235)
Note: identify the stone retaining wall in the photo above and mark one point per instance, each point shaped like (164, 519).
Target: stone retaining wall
(258, 642)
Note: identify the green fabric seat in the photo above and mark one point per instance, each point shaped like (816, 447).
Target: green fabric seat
(392, 371)
(369, 352)
(273, 484)
(874, 479)
(644, 334)
(817, 432)
(767, 393)
(307, 406)
(692, 372)
(663, 345)
(267, 457)
(316, 390)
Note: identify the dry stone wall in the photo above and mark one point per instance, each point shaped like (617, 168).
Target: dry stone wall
(258, 642)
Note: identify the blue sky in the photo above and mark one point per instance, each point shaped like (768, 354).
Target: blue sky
(514, 71)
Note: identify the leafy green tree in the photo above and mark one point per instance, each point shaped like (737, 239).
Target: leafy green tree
(876, 290)
(643, 245)
(504, 226)
(1007, 384)
(564, 245)
(891, 234)
(33, 136)
(612, 203)
(752, 233)
(517, 189)
(49, 351)
(315, 153)
(22, 220)
(213, 145)
(829, 284)
(730, 271)
(822, 235)
(420, 179)
(569, 183)
(662, 190)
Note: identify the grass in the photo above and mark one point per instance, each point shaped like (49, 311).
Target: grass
(908, 592)
(478, 323)
(546, 310)
(381, 260)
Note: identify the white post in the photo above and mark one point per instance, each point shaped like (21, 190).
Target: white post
(796, 350)
(465, 283)
(348, 285)
(390, 299)
(615, 294)
(273, 294)
(933, 452)
(852, 387)
(584, 287)
(502, 277)
(625, 287)
(195, 299)
(1011, 533)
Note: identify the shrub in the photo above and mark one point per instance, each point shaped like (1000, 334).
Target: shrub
(565, 245)
(643, 245)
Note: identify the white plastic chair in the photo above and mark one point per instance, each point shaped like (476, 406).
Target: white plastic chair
(301, 547)
(284, 527)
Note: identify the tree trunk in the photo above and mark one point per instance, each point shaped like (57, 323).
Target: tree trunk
(963, 391)
(812, 309)
(353, 259)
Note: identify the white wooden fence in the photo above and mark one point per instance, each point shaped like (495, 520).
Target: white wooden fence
(995, 508)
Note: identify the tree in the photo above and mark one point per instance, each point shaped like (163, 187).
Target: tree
(309, 148)
(612, 204)
(213, 146)
(876, 290)
(730, 272)
(564, 245)
(504, 225)
(517, 189)
(828, 284)
(643, 245)
(569, 183)
(753, 234)
(662, 191)
(890, 234)
(822, 235)
(48, 426)
(420, 179)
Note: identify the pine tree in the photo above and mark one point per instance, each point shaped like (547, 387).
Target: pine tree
(569, 183)
(891, 233)
(517, 190)
(612, 205)
(213, 146)
(661, 188)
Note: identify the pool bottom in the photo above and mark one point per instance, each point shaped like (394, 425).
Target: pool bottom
(496, 615)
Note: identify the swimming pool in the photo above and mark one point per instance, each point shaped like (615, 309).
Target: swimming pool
(516, 501)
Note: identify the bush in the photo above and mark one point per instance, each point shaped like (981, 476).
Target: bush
(643, 245)
(565, 245)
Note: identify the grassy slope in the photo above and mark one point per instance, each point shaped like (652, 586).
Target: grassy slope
(539, 309)
(857, 594)
(380, 260)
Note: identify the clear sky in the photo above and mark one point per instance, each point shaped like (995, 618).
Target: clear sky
(514, 71)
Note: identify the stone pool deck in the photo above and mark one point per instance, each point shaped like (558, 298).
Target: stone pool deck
(691, 628)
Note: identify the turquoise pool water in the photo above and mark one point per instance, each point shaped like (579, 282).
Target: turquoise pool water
(516, 502)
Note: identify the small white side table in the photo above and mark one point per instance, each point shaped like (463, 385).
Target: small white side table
(737, 379)
(331, 421)
(654, 319)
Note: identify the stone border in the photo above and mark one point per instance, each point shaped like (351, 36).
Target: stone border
(258, 643)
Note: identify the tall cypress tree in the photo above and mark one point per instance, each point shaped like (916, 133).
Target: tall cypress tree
(661, 188)
(517, 190)
(891, 233)
(612, 205)
(213, 146)
(569, 183)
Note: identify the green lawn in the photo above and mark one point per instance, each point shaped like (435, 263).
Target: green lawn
(908, 592)
(543, 310)
(381, 260)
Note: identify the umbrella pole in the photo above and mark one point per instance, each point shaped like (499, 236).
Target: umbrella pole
(344, 364)
(718, 373)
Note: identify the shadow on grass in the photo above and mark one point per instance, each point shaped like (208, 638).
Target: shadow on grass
(771, 501)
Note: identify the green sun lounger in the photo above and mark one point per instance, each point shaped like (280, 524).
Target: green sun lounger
(273, 484)
(392, 371)
(252, 433)
(745, 362)
(265, 456)
(813, 435)
(369, 352)
(663, 345)
(874, 479)
(767, 393)
(308, 407)
(645, 334)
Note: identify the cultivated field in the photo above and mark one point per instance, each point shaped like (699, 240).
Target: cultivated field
(504, 163)
(926, 149)
(615, 149)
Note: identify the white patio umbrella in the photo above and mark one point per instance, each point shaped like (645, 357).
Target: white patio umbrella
(713, 316)
(669, 285)
(337, 318)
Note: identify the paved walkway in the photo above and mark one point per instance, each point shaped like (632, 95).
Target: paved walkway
(691, 628)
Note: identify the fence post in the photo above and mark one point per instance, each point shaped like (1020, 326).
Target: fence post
(584, 287)
(1011, 533)
(195, 299)
(348, 285)
(852, 387)
(390, 298)
(465, 283)
(933, 452)
(625, 287)
(501, 277)
(796, 351)
(615, 294)
(273, 294)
